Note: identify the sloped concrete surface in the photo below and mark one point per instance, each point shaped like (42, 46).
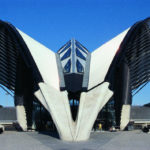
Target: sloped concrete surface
(126, 140)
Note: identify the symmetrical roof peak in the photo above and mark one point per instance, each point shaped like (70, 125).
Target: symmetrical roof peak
(73, 56)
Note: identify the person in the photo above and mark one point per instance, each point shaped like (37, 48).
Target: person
(100, 126)
(145, 129)
(1, 129)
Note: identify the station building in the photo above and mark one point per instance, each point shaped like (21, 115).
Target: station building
(73, 88)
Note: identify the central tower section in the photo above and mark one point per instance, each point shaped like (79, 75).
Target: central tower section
(73, 61)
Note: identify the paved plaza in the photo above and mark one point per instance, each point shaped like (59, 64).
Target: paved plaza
(127, 140)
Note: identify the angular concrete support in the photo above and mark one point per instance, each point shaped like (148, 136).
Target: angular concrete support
(59, 108)
(57, 104)
(21, 117)
(40, 97)
(125, 116)
(90, 105)
(20, 112)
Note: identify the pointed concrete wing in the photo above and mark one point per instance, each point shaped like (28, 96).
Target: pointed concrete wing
(45, 60)
(91, 103)
(101, 60)
(49, 94)
(27, 67)
(46, 63)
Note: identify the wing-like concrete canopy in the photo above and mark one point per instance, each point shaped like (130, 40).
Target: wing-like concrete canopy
(56, 102)
(101, 59)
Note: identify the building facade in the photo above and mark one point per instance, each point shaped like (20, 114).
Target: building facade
(71, 88)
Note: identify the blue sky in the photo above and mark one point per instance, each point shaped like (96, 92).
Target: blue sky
(92, 22)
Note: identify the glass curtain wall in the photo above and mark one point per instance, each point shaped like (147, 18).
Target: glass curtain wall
(106, 116)
(42, 120)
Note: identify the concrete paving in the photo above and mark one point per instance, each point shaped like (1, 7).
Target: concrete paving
(127, 140)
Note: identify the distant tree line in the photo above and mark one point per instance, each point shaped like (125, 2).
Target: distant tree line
(147, 105)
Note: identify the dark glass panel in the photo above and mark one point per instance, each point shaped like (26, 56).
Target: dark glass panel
(79, 54)
(64, 47)
(107, 115)
(79, 67)
(41, 118)
(80, 47)
(66, 55)
(67, 66)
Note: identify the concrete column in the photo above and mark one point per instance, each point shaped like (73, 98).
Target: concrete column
(125, 116)
(59, 108)
(90, 105)
(122, 94)
(21, 113)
